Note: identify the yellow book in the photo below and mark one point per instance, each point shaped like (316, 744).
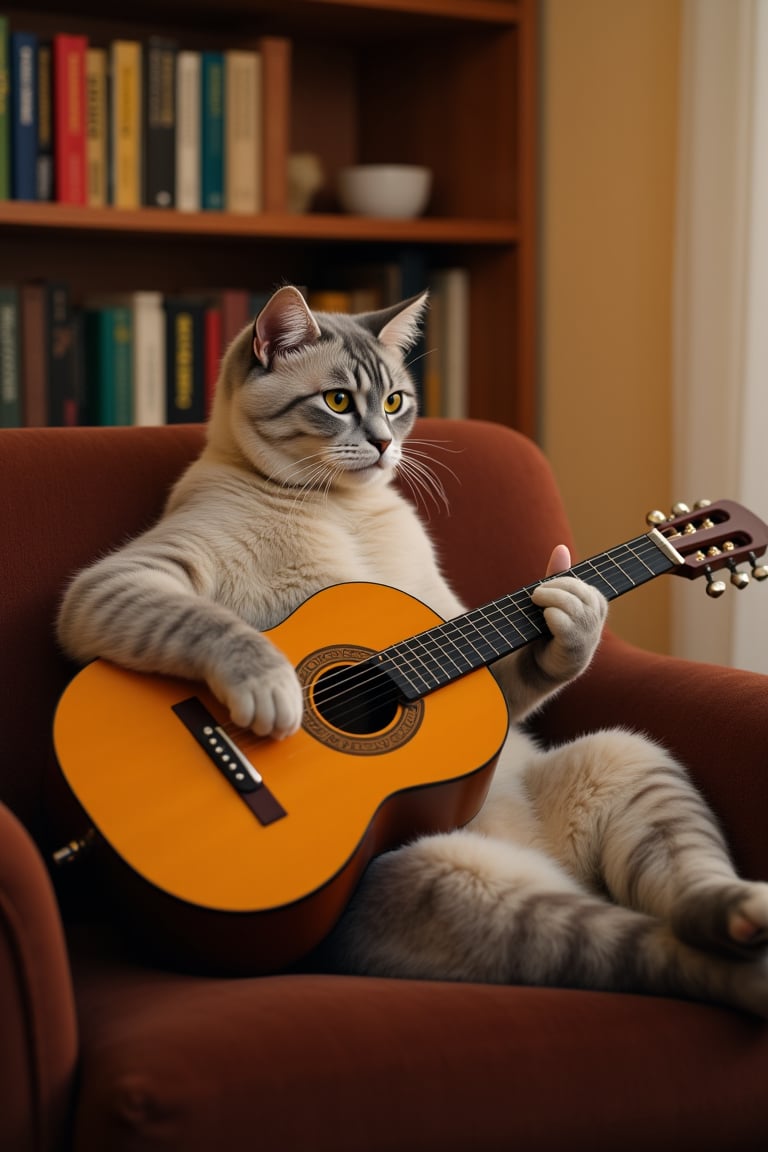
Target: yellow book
(126, 123)
(242, 131)
(96, 127)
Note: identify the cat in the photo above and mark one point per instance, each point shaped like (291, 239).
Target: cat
(595, 864)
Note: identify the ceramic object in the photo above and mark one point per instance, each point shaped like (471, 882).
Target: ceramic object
(393, 190)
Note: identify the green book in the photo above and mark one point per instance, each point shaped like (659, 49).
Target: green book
(5, 112)
(10, 358)
(109, 365)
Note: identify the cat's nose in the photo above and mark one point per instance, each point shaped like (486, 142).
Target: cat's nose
(382, 445)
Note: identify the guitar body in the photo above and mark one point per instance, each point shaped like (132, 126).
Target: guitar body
(251, 887)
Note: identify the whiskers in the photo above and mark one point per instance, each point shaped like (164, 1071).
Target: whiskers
(312, 475)
(417, 470)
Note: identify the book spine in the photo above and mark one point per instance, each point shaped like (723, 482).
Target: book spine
(160, 123)
(126, 123)
(44, 165)
(63, 389)
(10, 358)
(5, 113)
(275, 52)
(212, 353)
(23, 53)
(99, 365)
(69, 117)
(148, 358)
(243, 131)
(212, 131)
(185, 400)
(96, 126)
(122, 381)
(34, 361)
(188, 110)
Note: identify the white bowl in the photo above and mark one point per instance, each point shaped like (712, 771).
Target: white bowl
(394, 190)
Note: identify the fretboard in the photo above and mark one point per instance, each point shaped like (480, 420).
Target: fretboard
(434, 658)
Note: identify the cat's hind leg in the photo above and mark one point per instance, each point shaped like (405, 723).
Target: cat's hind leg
(464, 906)
(620, 812)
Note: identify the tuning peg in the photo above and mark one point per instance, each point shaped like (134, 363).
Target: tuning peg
(701, 504)
(759, 571)
(680, 509)
(715, 588)
(655, 519)
(739, 578)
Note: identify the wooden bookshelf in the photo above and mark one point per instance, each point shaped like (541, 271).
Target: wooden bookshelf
(447, 83)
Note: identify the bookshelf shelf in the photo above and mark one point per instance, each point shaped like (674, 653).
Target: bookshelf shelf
(18, 215)
(445, 83)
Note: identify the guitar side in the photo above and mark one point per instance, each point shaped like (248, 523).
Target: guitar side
(206, 859)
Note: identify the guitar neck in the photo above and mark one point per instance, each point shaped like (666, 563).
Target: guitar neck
(432, 659)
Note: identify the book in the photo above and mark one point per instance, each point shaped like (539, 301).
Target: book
(188, 110)
(5, 113)
(44, 166)
(160, 122)
(23, 107)
(242, 131)
(64, 386)
(451, 287)
(211, 352)
(275, 52)
(108, 339)
(185, 359)
(10, 358)
(33, 308)
(149, 363)
(126, 123)
(235, 313)
(69, 117)
(96, 132)
(212, 131)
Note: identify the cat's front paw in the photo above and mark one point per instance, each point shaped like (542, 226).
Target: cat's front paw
(574, 613)
(259, 687)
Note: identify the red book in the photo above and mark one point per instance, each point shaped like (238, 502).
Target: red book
(69, 117)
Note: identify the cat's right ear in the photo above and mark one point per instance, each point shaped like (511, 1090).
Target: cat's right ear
(284, 324)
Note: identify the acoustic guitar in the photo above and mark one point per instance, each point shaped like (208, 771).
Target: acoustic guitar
(245, 849)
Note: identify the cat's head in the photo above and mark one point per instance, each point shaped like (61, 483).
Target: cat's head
(321, 399)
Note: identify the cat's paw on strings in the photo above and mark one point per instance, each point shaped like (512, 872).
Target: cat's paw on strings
(575, 613)
(259, 687)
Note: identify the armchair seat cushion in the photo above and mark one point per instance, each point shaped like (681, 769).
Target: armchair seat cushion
(342, 1064)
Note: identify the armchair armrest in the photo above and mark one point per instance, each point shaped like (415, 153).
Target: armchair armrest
(713, 719)
(38, 1039)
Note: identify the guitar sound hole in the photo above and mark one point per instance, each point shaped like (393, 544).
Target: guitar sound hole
(356, 699)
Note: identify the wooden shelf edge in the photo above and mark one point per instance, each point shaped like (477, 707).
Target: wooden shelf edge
(485, 11)
(17, 214)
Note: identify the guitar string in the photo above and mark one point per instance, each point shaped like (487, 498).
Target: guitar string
(361, 683)
(368, 674)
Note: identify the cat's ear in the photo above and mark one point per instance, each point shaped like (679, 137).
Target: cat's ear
(398, 326)
(284, 324)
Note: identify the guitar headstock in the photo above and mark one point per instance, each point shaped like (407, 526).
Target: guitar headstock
(714, 536)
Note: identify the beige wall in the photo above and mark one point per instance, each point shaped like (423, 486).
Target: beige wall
(609, 100)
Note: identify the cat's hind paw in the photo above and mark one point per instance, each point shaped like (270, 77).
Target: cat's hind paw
(731, 918)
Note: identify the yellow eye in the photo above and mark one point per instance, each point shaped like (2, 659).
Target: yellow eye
(338, 400)
(393, 403)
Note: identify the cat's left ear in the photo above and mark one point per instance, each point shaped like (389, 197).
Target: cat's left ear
(284, 324)
(398, 326)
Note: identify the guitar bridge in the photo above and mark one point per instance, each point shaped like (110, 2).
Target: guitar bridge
(222, 751)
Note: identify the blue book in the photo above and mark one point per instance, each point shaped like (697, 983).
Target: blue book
(23, 57)
(212, 130)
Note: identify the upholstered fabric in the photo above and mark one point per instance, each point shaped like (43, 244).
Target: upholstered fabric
(100, 1051)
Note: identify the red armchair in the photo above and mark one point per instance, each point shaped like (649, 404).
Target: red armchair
(99, 1050)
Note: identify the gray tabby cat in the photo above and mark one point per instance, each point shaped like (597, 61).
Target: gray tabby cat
(595, 864)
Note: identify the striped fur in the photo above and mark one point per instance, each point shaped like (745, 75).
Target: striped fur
(595, 864)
